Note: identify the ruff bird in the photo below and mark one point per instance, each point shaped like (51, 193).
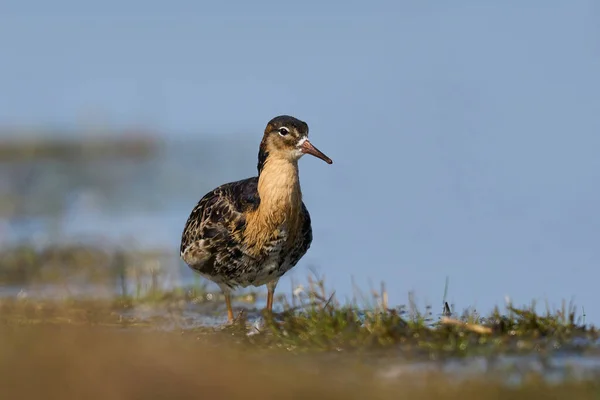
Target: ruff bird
(252, 231)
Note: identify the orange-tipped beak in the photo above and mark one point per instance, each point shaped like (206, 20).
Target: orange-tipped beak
(308, 148)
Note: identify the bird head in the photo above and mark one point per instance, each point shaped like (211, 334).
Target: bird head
(287, 137)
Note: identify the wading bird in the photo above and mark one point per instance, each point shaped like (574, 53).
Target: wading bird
(253, 231)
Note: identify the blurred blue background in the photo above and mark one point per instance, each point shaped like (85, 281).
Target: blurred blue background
(465, 135)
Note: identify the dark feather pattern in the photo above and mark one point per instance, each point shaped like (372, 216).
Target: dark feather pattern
(212, 241)
(263, 154)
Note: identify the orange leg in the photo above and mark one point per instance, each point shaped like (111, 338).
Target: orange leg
(229, 309)
(270, 294)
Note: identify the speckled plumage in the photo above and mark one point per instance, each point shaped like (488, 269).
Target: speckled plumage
(213, 239)
(253, 231)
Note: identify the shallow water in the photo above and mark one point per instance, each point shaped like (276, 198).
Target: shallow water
(513, 370)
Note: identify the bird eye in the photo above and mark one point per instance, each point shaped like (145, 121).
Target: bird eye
(283, 131)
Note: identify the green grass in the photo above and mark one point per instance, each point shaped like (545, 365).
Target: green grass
(321, 323)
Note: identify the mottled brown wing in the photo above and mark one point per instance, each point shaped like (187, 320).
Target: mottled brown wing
(213, 231)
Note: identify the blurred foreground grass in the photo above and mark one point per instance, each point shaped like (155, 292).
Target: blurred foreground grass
(152, 342)
(66, 362)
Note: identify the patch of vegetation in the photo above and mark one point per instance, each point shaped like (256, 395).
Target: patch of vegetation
(316, 321)
(82, 264)
(87, 274)
(131, 145)
(320, 323)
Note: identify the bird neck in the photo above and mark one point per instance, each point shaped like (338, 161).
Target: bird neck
(280, 201)
(279, 186)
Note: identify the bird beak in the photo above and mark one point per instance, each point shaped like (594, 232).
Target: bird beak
(307, 148)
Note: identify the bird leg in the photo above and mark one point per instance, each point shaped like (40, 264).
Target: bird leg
(227, 292)
(270, 294)
(229, 309)
(270, 300)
